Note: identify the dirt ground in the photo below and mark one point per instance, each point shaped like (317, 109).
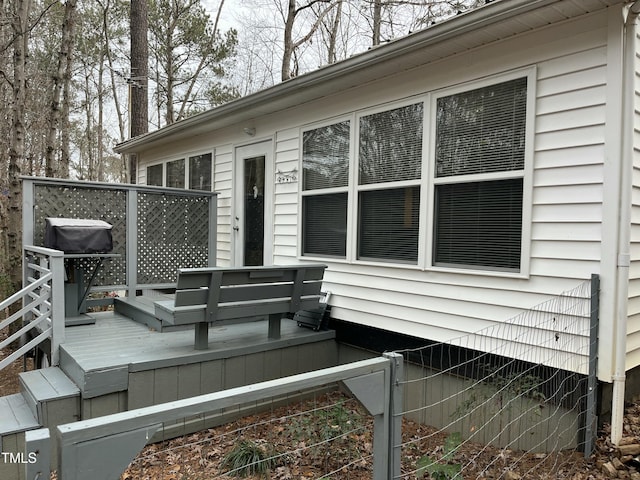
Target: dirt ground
(339, 446)
(202, 455)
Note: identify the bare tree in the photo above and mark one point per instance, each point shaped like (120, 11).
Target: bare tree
(289, 43)
(19, 25)
(61, 80)
(138, 82)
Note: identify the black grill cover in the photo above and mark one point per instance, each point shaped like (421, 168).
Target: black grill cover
(73, 235)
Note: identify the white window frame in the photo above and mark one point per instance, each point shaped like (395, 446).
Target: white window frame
(326, 191)
(526, 174)
(356, 188)
(428, 181)
(187, 159)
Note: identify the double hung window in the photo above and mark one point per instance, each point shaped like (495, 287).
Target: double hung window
(389, 167)
(479, 171)
(325, 165)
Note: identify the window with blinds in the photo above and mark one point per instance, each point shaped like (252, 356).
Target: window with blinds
(388, 224)
(478, 219)
(325, 181)
(389, 172)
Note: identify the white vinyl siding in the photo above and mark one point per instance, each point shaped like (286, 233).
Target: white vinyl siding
(285, 221)
(633, 326)
(222, 184)
(564, 228)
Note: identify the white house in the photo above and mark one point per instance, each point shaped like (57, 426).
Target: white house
(450, 179)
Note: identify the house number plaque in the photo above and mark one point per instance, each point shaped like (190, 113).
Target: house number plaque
(287, 177)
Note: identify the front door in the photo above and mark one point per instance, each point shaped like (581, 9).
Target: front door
(253, 210)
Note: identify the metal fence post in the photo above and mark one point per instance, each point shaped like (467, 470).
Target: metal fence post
(592, 381)
(395, 415)
(57, 304)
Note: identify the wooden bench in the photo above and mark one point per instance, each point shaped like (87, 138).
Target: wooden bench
(231, 295)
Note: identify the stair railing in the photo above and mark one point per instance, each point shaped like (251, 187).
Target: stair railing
(40, 315)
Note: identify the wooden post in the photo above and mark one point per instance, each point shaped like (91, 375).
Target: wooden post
(132, 242)
(56, 265)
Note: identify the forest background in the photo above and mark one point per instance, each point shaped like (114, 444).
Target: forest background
(79, 76)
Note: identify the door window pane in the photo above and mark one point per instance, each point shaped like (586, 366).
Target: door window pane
(254, 211)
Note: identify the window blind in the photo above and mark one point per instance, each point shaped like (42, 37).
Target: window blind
(154, 175)
(325, 156)
(391, 145)
(388, 224)
(479, 224)
(324, 220)
(482, 130)
(175, 173)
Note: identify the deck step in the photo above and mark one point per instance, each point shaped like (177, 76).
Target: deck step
(16, 415)
(49, 393)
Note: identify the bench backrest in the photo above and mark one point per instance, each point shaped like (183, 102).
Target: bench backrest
(238, 292)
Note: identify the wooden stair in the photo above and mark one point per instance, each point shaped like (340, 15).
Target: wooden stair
(47, 398)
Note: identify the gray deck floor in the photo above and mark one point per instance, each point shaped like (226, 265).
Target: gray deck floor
(115, 340)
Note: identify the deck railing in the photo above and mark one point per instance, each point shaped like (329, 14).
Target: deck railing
(38, 309)
(155, 230)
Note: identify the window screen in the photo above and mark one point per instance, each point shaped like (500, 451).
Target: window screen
(388, 224)
(391, 145)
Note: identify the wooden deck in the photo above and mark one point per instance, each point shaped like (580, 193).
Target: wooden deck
(100, 358)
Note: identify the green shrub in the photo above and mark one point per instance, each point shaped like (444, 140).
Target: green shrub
(248, 458)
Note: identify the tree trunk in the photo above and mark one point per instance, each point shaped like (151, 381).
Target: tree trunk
(376, 21)
(68, 29)
(16, 149)
(288, 41)
(55, 115)
(333, 34)
(138, 83)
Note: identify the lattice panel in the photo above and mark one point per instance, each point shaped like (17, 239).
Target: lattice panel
(97, 204)
(173, 232)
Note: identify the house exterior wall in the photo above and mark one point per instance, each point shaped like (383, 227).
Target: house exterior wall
(567, 190)
(633, 326)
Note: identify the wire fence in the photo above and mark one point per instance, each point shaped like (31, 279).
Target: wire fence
(329, 435)
(514, 400)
